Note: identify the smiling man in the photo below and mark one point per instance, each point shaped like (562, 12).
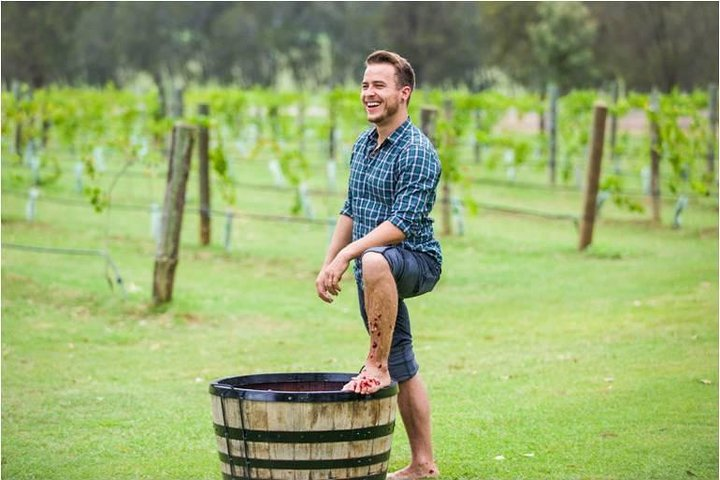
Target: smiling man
(385, 227)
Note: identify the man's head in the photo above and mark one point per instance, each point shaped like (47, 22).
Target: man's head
(404, 73)
(387, 85)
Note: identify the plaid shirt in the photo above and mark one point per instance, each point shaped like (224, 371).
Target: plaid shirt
(396, 183)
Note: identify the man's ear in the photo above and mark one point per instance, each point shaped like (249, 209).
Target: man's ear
(406, 91)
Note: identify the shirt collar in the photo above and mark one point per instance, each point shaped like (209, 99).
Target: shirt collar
(395, 135)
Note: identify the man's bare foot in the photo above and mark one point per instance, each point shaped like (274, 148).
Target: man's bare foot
(369, 381)
(415, 472)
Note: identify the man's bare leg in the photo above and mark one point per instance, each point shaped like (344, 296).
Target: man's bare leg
(381, 305)
(414, 406)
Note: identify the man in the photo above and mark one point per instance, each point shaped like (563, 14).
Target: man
(384, 226)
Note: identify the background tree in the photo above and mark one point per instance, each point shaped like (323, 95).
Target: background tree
(240, 38)
(94, 49)
(561, 41)
(665, 44)
(662, 44)
(506, 41)
(37, 39)
(443, 44)
(349, 29)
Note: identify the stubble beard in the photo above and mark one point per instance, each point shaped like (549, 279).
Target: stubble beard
(391, 108)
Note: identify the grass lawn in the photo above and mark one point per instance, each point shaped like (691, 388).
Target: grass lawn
(541, 362)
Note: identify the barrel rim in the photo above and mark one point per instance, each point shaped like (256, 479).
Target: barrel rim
(233, 387)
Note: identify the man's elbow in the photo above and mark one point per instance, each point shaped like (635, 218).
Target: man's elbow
(398, 229)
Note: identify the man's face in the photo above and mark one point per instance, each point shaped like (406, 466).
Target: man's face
(380, 94)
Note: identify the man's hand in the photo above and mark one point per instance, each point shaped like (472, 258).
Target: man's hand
(328, 280)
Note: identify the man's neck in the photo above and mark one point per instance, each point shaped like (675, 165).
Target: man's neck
(386, 129)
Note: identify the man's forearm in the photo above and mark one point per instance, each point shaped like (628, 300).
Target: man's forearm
(342, 236)
(384, 234)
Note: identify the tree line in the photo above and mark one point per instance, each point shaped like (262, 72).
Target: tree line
(476, 45)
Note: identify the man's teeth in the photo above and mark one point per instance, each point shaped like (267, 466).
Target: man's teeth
(373, 104)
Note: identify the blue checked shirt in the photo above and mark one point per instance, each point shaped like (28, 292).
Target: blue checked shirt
(397, 183)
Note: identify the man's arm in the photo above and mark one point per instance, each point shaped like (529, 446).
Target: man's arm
(342, 236)
(384, 234)
(416, 187)
(341, 251)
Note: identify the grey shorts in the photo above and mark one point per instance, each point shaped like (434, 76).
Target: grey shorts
(415, 273)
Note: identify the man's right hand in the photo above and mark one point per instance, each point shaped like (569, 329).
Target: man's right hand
(322, 290)
(328, 280)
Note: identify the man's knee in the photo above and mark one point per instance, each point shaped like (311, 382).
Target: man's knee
(375, 267)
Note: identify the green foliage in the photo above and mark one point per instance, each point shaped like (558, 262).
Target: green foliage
(294, 166)
(575, 120)
(343, 109)
(613, 184)
(684, 136)
(98, 199)
(451, 127)
(562, 41)
(219, 163)
(228, 106)
(124, 126)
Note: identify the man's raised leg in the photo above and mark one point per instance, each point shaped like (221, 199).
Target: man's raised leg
(414, 406)
(381, 306)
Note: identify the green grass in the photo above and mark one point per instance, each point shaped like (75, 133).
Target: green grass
(595, 365)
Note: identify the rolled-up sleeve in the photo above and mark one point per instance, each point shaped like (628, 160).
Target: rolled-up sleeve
(417, 180)
(346, 208)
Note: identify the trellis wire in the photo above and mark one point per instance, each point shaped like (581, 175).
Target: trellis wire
(291, 219)
(630, 192)
(135, 207)
(73, 251)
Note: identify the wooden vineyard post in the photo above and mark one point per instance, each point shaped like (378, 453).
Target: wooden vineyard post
(655, 146)
(428, 119)
(552, 127)
(332, 153)
(301, 126)
(177, 105)
(428, 123)
(613, 128)
(541, 114)
(713, 121)
(20, 96)
(446, 196)
(587, 221)
(477, 148)
(204, 174)
(168, 246)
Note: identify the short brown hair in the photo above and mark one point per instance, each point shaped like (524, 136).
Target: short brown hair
(404, 73)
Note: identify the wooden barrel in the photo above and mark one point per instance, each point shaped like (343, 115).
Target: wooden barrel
(301, 426)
